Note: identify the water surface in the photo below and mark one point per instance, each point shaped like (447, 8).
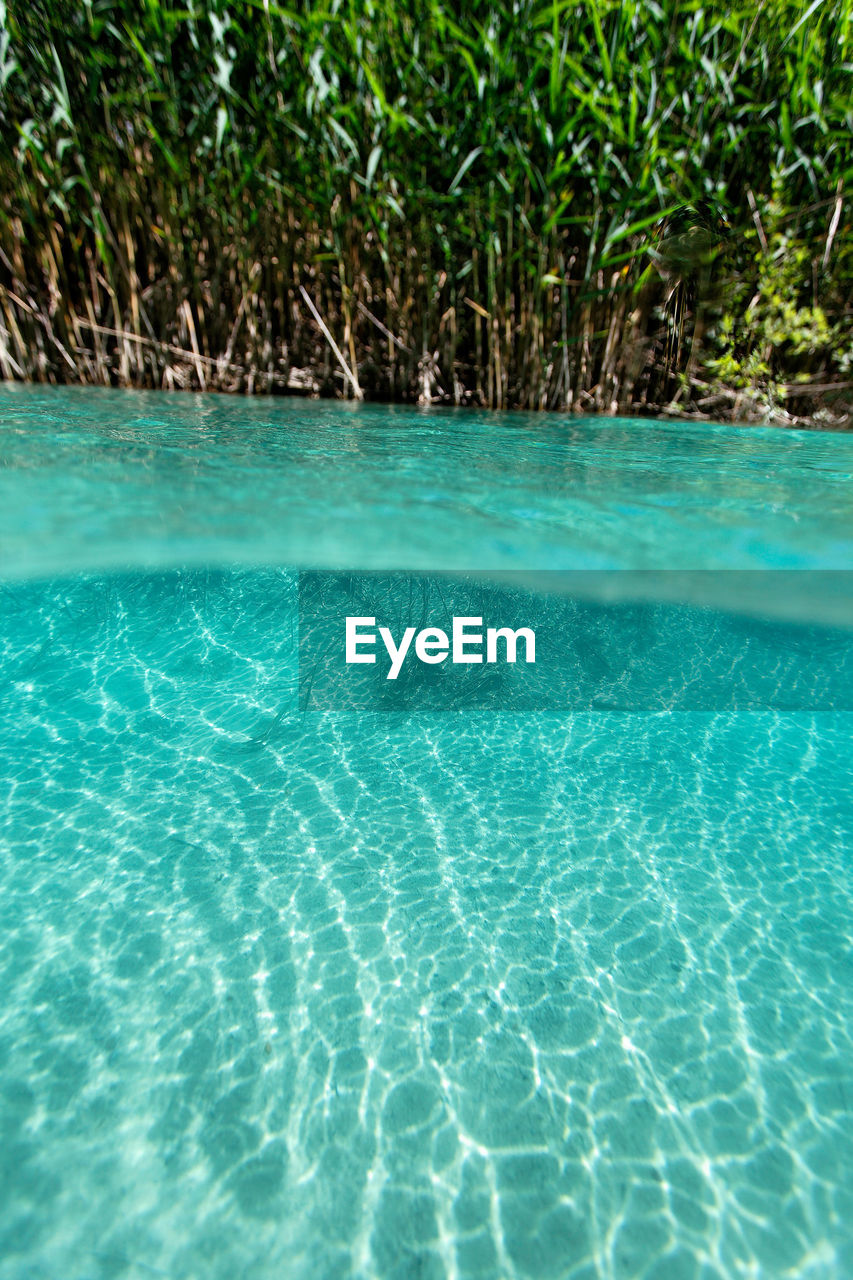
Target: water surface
(95, 479)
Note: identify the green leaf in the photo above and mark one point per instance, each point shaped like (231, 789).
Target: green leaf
(463, 169)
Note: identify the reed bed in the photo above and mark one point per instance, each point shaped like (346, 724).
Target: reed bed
(425, 202)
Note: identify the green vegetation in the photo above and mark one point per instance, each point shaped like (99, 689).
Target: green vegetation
(412, 200)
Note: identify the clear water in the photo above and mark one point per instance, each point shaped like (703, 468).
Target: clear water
(431, 995)
(102, 480)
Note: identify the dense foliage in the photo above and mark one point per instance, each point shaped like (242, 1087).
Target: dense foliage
(465, 194)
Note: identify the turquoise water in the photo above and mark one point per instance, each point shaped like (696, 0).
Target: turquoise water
(479, 994)
(104, 480)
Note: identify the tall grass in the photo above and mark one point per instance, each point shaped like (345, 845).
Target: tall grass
(417, 200)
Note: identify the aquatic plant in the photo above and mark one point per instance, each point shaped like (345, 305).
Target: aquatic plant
(409, 200)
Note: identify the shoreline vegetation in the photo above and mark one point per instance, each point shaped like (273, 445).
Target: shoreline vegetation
(599, 206)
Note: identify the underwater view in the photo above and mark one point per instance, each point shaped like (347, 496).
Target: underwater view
(508, 973)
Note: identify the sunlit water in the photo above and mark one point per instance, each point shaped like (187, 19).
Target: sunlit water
(327, 994)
